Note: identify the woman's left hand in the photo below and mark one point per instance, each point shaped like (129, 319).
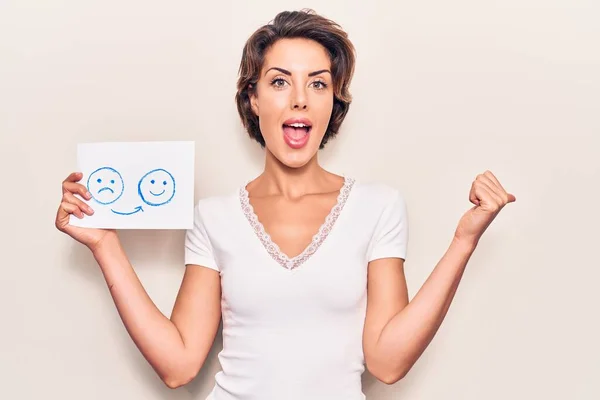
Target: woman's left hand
(489, 198)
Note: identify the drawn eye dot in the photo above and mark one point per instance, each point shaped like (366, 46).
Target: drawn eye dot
(99, 180)
(152, 181)
(165, 183)
(112, 181)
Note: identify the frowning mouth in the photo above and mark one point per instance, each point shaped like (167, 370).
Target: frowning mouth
(106, 188)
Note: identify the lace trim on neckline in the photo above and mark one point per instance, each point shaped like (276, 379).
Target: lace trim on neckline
(273, 249)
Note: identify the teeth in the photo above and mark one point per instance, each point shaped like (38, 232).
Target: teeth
(299, 125)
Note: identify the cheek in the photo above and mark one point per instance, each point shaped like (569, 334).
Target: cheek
(268, 125)
(272, 107)
(322, 111)
(325, 104)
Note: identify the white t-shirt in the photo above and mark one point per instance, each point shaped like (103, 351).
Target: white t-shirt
(292, 328)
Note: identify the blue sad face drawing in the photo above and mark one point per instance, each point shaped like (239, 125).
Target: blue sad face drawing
(105, 185)
(157, 187)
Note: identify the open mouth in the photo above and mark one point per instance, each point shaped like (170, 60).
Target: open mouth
(297, 130)
(157, 194)
(106, 188)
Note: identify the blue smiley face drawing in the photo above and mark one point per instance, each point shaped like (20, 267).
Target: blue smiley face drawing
(157, 187)
(105, 185)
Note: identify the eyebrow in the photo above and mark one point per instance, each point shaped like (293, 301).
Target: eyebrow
(286, 72)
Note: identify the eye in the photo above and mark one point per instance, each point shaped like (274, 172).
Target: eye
(319, 85)
(152, 181)
(112, 181)
(165, 183)
(99, 180)
(278, 82)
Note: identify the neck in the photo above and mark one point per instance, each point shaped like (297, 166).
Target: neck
(278, 179)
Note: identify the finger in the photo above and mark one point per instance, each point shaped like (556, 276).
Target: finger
(69, 208)
(493, 178)
(500, 193)
(76, 188)
(70, 198)
(74, 177)
(485, 193)
(510, 197)
(473, 196)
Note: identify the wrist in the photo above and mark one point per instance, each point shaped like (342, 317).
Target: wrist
(109, 244)
(465, 244)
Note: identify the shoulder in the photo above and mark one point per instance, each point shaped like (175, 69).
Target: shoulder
(377, 195)
(217, 210)
(217, 203)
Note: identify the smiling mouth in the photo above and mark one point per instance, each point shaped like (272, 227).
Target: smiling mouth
(106, 188)
(296, 133)
(151, 192)
(297, 129)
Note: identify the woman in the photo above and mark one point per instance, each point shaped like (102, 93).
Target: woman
(304, 266)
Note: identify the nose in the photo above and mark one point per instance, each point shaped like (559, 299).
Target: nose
(299, 100)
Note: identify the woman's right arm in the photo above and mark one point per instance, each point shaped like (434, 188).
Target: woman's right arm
(176, 348)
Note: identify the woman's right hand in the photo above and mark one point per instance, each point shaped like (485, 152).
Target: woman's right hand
(70, 204)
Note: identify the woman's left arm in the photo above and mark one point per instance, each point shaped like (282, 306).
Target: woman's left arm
(397, 332)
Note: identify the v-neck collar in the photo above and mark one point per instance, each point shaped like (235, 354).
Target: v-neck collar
(318, 239)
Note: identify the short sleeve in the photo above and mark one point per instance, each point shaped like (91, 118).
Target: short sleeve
(198, 248)
(390, 237)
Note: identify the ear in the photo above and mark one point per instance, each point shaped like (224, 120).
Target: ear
(253, 99)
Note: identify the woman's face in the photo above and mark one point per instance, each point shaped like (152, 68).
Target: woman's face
(294, 99)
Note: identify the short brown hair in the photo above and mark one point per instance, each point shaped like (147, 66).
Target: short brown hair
(297, 24)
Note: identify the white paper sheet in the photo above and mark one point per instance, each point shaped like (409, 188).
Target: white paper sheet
(138, 185)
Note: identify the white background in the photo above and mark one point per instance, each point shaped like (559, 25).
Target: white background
(443, 91)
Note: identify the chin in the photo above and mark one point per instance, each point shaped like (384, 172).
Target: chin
(294, 155)
(295, 158)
